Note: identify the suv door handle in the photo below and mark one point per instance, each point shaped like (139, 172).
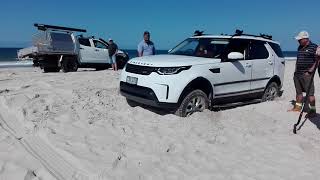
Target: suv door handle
(96, 49)
(270, 62)
(215, 70)
(80, 48)
(248, 65)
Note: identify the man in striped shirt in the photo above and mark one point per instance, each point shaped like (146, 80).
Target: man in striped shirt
(305, 65)
(318, 55)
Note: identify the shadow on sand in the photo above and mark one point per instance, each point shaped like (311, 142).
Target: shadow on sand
(316, 120)
(163, 112)
(214, 108)
(158, 111)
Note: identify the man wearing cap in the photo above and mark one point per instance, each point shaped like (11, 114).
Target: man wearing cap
(146, 46)
(112, 49)
(318, 55)
(305, 65)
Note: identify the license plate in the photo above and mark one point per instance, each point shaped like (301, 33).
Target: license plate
(132, 80)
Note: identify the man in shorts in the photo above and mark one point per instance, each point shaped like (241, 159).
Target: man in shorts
(112, 49)
(318, 56)
(305, 66)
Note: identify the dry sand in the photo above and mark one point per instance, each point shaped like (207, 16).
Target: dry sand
(83, 116)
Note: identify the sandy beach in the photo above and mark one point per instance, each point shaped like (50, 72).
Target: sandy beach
(85, 120)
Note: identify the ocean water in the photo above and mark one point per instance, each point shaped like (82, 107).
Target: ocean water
(133, 53)
(290, 54)
(8, 56)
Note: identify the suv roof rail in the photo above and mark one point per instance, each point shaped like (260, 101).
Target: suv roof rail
(44, 27)
(240, 33)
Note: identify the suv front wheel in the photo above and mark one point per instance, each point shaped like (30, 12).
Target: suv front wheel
(195, 101)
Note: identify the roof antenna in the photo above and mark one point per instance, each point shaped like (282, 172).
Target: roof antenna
(239, 32)
(266, 36)
(198, 33)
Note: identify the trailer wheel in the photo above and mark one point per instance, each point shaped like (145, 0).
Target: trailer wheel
(74, 66)
(36, 62)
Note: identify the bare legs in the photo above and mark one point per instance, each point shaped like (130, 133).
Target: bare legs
(114, 67)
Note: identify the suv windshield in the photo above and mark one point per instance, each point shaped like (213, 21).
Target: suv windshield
(201, 47)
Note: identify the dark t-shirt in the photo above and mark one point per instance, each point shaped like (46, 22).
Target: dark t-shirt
(112, 49)
(306, 58)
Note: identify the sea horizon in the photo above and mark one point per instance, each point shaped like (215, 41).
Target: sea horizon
(8, 56)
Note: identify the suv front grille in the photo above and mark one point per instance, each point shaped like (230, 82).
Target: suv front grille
(143, 70)
(139, 91)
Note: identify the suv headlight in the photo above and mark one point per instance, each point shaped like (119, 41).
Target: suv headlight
(171, 70)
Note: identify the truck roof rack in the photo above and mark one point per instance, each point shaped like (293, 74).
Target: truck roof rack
(240, 33)
(44, 27)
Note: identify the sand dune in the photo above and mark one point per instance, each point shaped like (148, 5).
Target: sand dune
(83, 116)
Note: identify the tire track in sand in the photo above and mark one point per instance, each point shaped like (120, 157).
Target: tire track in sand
(36, 146)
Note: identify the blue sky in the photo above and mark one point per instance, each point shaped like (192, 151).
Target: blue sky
(168, 21)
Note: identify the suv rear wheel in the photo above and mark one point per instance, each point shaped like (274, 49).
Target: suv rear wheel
(195, 101)
(271, 92)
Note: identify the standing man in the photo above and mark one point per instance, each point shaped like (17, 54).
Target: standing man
(305, 65)
(318, 56)
(146, 46)
(113, 48)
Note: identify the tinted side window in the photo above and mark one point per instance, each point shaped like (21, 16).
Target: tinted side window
(236, 45)
(61, 37)
(84, 42)
(211, 48)
(100, 45)
(276, 49)
(258, 50)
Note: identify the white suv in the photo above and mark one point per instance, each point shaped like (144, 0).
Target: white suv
(204, 71)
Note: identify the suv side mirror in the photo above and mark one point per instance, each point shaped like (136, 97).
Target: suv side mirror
(235, 56)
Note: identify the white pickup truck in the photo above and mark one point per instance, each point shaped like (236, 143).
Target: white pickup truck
(55, 48)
